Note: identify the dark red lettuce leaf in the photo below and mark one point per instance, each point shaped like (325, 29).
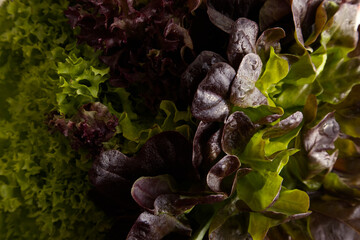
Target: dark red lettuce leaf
(89, 128)
(224, 168)
(242, 40)
(160, 194)
(142, 44)
(318, 141)
(210, 101)
(146, 189)
(155, 227)
(299, 9)
(167, 153)
(237, 132)
(335, 219)
(117, 178)
(284, 126)
(177, 204)
(113, 173)
(197, 71)
(295, 17)
(206, 146)
(243, 91)
(267, 120)
(269, 38)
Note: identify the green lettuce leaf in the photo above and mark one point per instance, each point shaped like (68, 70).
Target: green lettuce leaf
(258, 189)
(43, 183)
(80, 81)
(340, 74)
(133, 132)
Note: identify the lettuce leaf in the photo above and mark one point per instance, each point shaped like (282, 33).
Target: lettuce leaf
(43, 182)
(143, 44)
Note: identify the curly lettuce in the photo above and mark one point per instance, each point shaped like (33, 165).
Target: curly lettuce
(43, 182)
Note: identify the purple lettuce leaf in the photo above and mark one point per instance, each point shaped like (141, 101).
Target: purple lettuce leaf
(298, 9)
(335, 219)
(267, 120)
(206, 146)
(143, 45)
(318, 141)
(146, 189)
(237, 132)
(243, 91)
(113, 173)
(210, 100)
(167, 153)
(154, 227)
(269, 38)
(223, 168)
(159, 179)
(242, 40)
(284, 126)
(177, 204)
(295, 17)
(89, 128)
(197, 71)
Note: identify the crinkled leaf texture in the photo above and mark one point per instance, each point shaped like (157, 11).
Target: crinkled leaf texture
(44, 183)
(89, 128)
(134, 131)
(79, 82)
(143, 42)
